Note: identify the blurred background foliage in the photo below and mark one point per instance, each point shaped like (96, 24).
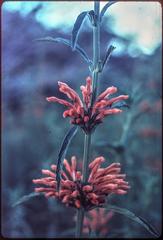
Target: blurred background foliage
(33, 129)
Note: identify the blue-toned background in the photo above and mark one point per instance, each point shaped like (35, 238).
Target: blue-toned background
(33, 129)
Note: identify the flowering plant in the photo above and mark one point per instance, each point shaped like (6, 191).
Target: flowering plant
(88, 188)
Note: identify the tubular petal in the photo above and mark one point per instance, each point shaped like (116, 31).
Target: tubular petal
(107, 92)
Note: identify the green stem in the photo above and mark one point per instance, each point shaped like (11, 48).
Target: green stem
(87, 143)
(79, 223)
(96, 51)
(80, 212)
(87, 140)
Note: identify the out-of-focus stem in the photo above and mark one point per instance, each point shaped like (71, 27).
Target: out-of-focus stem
(87, 140)
(79, 223)
(96, 50)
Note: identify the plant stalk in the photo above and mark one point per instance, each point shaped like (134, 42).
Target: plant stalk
(96, 51)
(87, 139)
(87, 144)
(79, 223)
(85, 171)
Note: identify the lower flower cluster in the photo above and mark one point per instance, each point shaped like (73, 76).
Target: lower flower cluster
(73, 192)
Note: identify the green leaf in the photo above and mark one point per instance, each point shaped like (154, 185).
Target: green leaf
(135, 218)
(67, 42)
(25, 198)
(107, 56)
(92, 17)
(105, 8)
(76, 28)
(65, 144)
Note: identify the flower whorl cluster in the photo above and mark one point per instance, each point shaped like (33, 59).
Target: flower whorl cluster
(73, 192)
(84, 113)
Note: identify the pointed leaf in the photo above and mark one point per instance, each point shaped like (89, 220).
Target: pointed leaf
(105, 8)
(135, 218)
(92, 17)
(150, 227)
(108, 54)
(25, 198)
(67, 42)
(66, 141)
(76, 28)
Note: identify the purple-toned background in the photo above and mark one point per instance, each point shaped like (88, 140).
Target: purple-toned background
(33, 129)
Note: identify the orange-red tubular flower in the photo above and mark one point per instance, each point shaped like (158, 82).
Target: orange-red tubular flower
(82, 113)
(73, 192)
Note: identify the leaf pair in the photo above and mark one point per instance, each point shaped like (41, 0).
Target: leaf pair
(80, 19)
(114, 208)
(75, 32)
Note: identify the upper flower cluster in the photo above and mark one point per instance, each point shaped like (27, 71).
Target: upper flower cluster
(84, 113)
(73, 192)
